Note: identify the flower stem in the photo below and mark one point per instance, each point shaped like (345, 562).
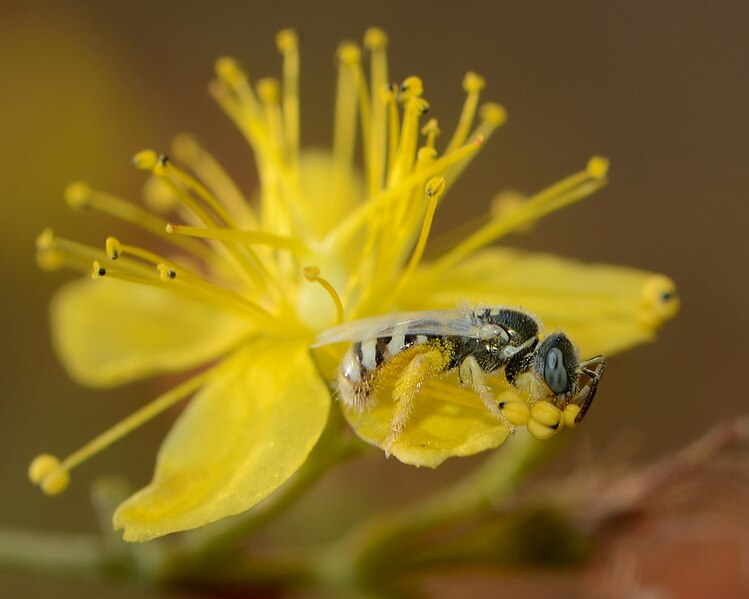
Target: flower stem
(58, 554)
(371, 552)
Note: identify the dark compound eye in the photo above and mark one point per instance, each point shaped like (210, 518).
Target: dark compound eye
(555, 373)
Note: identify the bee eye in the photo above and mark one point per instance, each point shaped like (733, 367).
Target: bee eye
(555, 374)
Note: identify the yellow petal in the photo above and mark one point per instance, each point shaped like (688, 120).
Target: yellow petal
(108, 332)
(324, 209)
(605, 309)
(446, 422)
(238, 440)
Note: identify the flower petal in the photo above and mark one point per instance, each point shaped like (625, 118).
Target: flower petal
(446, 422)
(238, 440)
(108, 332)
(605, 309)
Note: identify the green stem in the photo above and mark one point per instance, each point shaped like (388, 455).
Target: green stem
(59, 554)
(369, 554)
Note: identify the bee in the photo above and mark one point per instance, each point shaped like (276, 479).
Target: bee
(413, 348)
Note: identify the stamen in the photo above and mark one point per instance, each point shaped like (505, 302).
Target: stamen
(312, 274)
(52, 475)
(56, 252)
(189, 152)
(158, 165)
(375, 40)
(553, 198)
(492, 117)
(434, 189)
(167, 169)
(235, 80)
(242, 258)
(472, 84)
(189, 285)
(659, 301)
(235, 235)
(360, 217)
(432, 131)
(288, 44)
(269, 93)
(388, 94)
(80, 195)
(507, 202)
(115, 249)
(344, 137)
(414, 107)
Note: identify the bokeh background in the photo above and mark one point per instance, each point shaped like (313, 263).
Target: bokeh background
(659, 87)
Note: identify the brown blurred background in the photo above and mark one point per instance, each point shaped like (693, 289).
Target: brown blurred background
(658, 87)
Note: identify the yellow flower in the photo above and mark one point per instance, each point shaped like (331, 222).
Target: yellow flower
(243, 288)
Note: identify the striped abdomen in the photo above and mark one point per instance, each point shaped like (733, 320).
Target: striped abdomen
(363, 358)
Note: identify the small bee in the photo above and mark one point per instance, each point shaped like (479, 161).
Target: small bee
(410, 349)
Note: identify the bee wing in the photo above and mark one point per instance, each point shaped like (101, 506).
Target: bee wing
(457, 322)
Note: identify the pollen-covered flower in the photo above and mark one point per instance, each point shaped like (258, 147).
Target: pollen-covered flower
(237, 290)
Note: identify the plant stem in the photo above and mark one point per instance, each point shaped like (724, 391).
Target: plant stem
(59, 554)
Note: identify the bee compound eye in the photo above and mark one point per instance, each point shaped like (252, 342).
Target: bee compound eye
(555, 372)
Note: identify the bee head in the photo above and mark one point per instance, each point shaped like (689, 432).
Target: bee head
(556, 364)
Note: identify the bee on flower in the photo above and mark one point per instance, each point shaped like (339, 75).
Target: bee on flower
(245, 289)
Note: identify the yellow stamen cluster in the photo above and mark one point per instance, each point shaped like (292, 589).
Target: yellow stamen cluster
(359, 242)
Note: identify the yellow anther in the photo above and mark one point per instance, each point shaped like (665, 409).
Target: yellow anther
(431, 128)
(312, 274)
(416, 105)
(159, 195)
(546, 413)
(569, 414)
(659, 301)
(48, 256)
(45, 240)
(162, 166)
(426, 154)
(166, 273)
(435, 187)
(49, 474)
(97, 270)
(517, 412)
(77, 195)
(505, 204)
(473, 82)
(287, 40)
(186, 148)
(375, 38)
(388, 92)
(598, 167)
(113, 248)
(348, 54)
(229, 72)
(410, 88)
(269, 90)
(493, 113)
(145, 160)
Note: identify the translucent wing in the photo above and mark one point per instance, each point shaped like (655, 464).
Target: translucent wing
(459, 322)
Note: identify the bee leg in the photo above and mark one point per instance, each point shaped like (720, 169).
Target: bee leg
(472, 375)
(586, 395)
(422, 367)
